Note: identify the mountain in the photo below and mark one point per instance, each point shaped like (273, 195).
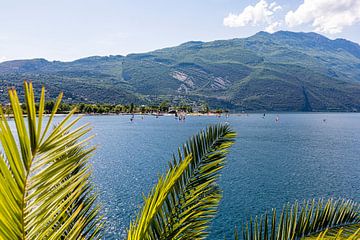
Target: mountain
(283, 71)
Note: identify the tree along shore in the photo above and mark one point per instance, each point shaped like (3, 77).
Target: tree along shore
(105, 108)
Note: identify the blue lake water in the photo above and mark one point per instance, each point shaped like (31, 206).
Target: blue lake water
(299, 157)
(272, 163)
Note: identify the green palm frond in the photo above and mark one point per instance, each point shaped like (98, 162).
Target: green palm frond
(186, 198)
(312, 219)
(45, 191)
(348, 232)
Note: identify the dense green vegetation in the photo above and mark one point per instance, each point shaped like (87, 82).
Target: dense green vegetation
(105, 108)
(284, 71)
(46, 193)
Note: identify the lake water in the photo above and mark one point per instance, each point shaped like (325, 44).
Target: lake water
(298, 157)
(272, 163)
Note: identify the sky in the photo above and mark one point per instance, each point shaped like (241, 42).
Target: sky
(70, 29)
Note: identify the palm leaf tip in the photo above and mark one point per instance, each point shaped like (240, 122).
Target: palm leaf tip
(311, 220)
(45, 192)
(186, 198)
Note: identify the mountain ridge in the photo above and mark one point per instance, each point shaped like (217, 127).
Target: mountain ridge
(282, 71)
(193, 41)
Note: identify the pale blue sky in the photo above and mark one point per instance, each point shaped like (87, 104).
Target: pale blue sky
(71, 29)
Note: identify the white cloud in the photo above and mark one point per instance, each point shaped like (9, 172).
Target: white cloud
(273, 27)
(326, 16)
(2, 59)
(261, 13)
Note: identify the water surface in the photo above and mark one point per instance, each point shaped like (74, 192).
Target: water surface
(299, 157)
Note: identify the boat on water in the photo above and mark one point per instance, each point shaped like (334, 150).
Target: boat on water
(158, 114)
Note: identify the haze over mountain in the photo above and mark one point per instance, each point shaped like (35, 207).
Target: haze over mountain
(283, 71)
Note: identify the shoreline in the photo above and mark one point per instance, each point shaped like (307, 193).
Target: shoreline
(189, 114)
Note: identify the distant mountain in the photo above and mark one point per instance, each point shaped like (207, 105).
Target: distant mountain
(283, 71)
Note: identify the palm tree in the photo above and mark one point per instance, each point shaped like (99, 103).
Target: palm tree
(186, 198)
(45, 191)
(310, 220)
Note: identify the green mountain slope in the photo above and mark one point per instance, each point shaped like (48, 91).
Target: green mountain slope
(282, 71)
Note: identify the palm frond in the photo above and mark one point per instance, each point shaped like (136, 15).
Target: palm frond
(45, 191)
(186, 198)
(311, 219)
(348, 232)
